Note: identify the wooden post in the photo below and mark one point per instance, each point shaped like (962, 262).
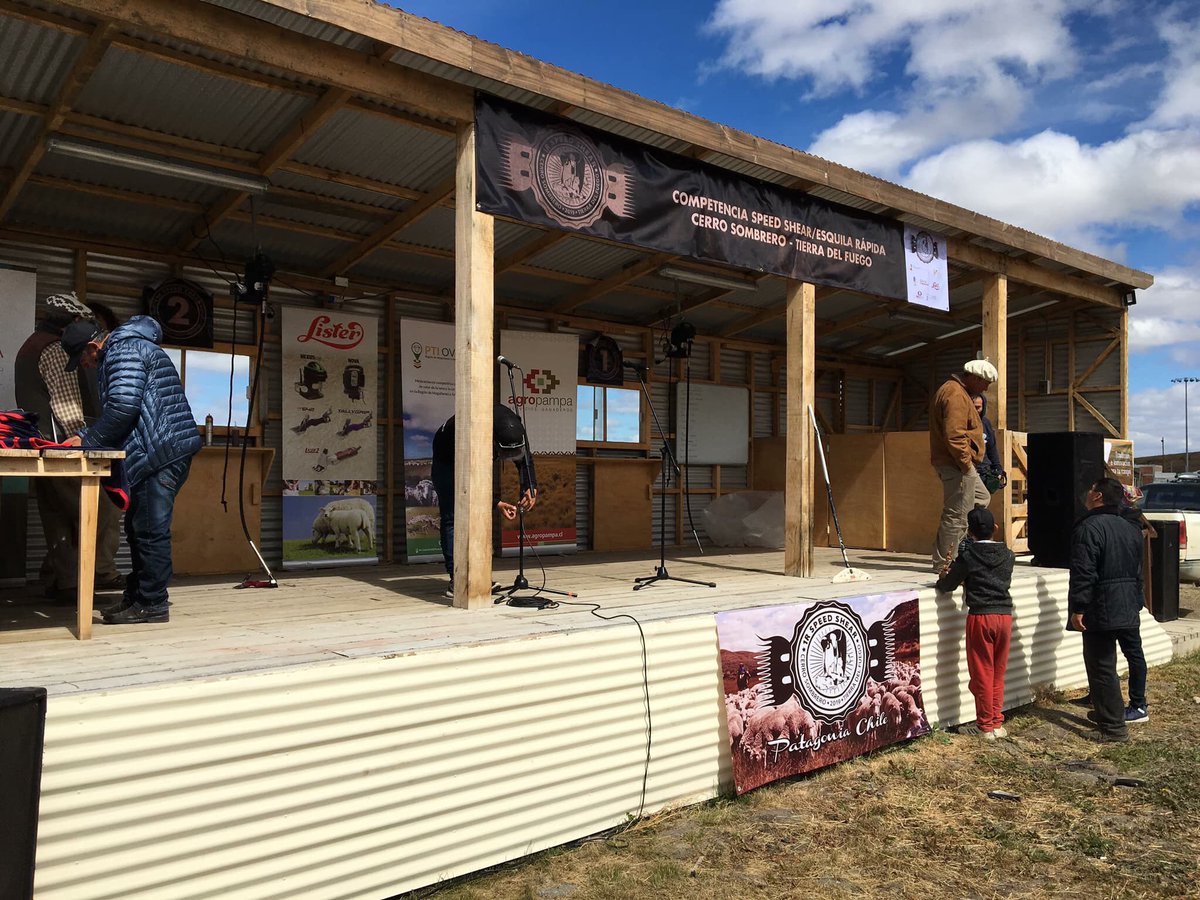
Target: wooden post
(89, 511)
(1125, 373)
(389, 434)
(995, 346)
(798, 478)
(474, 371)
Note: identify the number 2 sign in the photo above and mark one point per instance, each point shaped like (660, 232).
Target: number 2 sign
(184, 310)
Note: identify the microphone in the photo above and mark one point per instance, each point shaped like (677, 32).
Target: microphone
(636, 366)
(504, 361)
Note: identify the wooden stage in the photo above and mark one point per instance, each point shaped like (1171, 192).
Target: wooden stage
(352, 735)
(324, 615)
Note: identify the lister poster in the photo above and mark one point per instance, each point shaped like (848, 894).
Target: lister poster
(330, 458)
(810, 684)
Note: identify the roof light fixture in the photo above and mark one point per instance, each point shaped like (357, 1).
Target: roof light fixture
(730, 282)
(113, 156)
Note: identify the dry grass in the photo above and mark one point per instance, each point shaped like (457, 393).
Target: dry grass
(915, 821)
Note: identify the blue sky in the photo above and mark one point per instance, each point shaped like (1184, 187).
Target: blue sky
(1075, 119)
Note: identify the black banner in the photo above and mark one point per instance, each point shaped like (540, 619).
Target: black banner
(534, 167)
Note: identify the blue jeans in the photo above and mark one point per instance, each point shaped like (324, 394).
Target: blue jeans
(442, 476)
(148, 530)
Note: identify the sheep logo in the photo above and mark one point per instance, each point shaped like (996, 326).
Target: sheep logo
(830, 660)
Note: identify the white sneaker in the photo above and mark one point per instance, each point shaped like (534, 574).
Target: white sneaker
(974, 730)
(1000, 731)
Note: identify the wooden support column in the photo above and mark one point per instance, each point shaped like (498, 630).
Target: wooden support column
(801, 391)
(995, 346)
(1125, 373)
(474, 370)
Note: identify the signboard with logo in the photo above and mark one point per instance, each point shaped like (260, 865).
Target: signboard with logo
(535, 167)
(546, 384)
(426, 361)
(184, 309)
(1118, 457)
(810, 684)
(925, 265)
(330, 456)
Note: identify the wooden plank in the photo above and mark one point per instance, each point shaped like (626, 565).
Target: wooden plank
(612, 282)
(995, 346)
(1097, 415)
(474, 371)
(622, 514)
(1034, 275)
(89, 499)
(857, 479)
(914, 493)
(801, 383)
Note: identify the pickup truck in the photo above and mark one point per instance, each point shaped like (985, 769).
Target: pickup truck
(1178, 501)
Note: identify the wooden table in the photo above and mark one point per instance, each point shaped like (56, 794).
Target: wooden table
(89, 466)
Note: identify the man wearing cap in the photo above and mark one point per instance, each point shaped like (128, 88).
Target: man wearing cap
(508, 442)
(63, 402)
(955, 445)
(146, 414)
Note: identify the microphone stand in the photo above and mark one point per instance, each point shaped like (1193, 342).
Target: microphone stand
(508, 595)
(668, 459)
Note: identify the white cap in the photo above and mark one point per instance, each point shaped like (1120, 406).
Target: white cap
(981, 368)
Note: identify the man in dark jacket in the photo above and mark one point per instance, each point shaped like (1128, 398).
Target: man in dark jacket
(1105, 598)
(509, 443)
(145, 413)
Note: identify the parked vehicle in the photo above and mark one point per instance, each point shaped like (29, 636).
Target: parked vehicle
(1178, 501)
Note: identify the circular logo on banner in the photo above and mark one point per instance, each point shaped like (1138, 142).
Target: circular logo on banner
(830, 660)
(568, 178)
(924, 246)
(184, 310)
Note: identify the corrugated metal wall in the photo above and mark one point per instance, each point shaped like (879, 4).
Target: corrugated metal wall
(367, 777)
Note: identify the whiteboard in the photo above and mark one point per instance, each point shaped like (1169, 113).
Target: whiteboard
(17, 289)
(720, 425)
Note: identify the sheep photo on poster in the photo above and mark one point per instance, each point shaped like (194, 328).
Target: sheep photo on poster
(810, 684)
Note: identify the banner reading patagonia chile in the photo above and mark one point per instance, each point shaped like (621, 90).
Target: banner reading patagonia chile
(426, 363)
(330, 460)
(546, 385)
(810, 684)
(534, 167)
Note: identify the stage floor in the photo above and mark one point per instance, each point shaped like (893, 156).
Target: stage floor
(329, 614)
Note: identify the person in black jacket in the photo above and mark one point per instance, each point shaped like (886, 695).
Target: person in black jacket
(984, 567)
(509, 443)
(145, 413)
(1105, 598)
(991, 451)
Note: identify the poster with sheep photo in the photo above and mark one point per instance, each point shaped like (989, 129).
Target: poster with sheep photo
(811, 684)
(329, 523)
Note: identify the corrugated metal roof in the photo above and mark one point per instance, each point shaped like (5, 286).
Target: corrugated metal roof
(330, 188)
(372, 147)
(36, 60)
(120, 178)
(591, 259)
(289, 249)
(305, 25)
(17, 134)
(395, 266)
(434, 229)
(38, 205)
(135, 89)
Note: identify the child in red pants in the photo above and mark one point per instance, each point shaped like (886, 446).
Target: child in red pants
(984, 568)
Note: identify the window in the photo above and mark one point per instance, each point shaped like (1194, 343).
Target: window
(1172, 497)
(608, 415)
(205, 376)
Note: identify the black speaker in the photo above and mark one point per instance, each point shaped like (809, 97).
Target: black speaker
(22, 731)
(1164, 571)
(1062, 466)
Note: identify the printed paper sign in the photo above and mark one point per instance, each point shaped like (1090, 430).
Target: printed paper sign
(925, 266)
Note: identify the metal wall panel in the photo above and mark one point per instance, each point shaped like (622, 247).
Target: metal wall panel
(369, 777)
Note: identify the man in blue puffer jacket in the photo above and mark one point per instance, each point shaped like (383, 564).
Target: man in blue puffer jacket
(145, 413)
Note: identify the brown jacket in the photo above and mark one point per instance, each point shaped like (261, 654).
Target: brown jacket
(955, 429)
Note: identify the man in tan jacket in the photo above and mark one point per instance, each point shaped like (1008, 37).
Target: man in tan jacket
(955, 445)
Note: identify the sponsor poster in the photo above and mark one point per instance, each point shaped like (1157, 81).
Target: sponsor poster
(546, 387)
(17, 290)
(807, 685)
(330, 397)
(925, 265)
(535, 167)
(427, 398)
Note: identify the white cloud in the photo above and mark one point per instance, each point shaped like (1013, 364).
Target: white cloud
(1156, 415)
(1179, 102)
(969, 65)
(1054, 185)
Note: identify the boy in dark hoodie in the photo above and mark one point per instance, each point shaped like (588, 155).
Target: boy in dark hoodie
(984, 567)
